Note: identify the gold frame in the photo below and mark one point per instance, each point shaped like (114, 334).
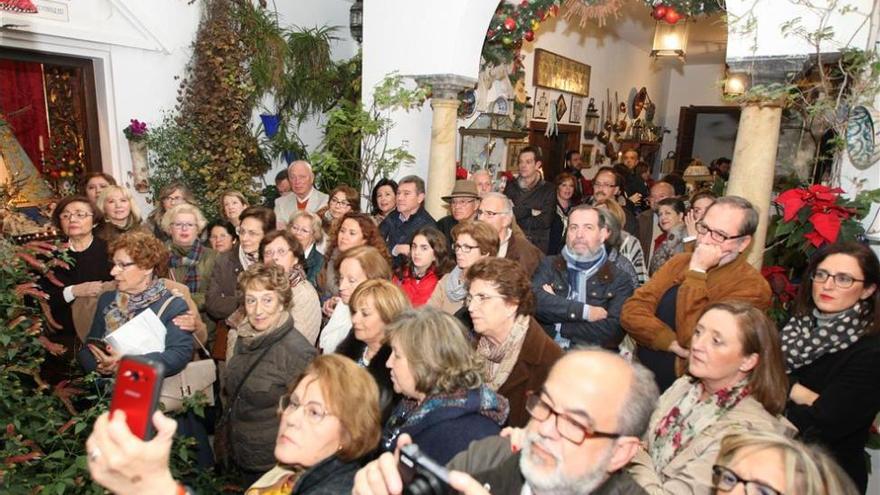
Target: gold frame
(587, 154)
(561, 73)
(513, 148)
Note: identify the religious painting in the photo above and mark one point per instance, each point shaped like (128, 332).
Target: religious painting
(577, 109)
(564, 74)
(587, 154)
(561, 107)
(514, 146)
(542, 103)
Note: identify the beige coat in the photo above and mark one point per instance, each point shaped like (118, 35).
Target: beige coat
(441, 301)
(305, 309)
(690, 472)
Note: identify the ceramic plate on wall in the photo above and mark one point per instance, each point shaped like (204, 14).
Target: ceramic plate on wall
(863, 137)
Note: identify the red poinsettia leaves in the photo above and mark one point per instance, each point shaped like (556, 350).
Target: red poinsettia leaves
(815, 238)
(781, 286)
(791, 201)
(827, 225)
(19, 6)
(824, 195)
(461, 173)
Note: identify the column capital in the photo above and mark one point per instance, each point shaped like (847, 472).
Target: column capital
(446, 86)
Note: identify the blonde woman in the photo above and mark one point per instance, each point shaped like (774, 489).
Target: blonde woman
(232, 203)
(121, 213)
(191, 260)
(306, 227)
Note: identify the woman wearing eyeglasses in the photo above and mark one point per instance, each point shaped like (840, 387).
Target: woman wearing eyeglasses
(832, 353)
(191, 260)
(471, 241)
(735, 383)
(765, 463)
(265, 353)
(446, 404)
(343, 199)
(170, 196)
(517, 352)
(318, 447)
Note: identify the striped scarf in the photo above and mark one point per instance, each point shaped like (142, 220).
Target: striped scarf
(189, 258)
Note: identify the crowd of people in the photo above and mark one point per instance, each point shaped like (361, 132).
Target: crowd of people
(576, 336)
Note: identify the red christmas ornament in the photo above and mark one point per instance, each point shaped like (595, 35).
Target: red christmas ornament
(540, 14)
(672, 16)
(509, 24)
(490, 34)
(529, 36)
(524, 3)
(659, 11)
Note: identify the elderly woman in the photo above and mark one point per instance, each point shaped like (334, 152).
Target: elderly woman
(265, 352)
(428, 260)
(121, 213)
(446, 405)
(832, 351)
(279, 247)
(629, 246)
(77, 218)
(169, 196)
(670, 213)
(517, 351)
(343, 199)
(232, 203)
(222, 297)
(374, 305)
(383, 199)
(191, 261)
(735, 383)
(306, 227)
(766, 463)
(93, 183)
(136, 258)
(566, 198)
(221, 236)
(471, 241)
(319, 444)
(353, 230)
(355, 266)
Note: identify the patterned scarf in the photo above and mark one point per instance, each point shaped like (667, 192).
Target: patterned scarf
(455, 287)
(690, 417)
(503, 357)
(809, 337)
(410, 412)
(247, 259)
(580, 269)
(297, 276)
(126, 306)
(188, 257)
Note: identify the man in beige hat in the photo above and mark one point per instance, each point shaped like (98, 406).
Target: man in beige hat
(463, 202)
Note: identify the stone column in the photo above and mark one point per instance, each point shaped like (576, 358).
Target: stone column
(754, 165)
(441, 164)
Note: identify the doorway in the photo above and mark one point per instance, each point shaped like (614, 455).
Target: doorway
(705, 132)
(553, 148)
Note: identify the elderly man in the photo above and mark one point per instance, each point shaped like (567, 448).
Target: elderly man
(533, 198)
(304, 197)
(463, 202)
(483, 179)
(584, 429)
(400, 225)
(647, 220)
(662, 314)
(496, 209)
(580, 292)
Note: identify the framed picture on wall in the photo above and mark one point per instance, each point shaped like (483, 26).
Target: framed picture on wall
(543, 100)
(587, 154)
(577, 109)
(514, 146)
(564, 74)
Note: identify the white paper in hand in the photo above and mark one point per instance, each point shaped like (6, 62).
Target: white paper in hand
(142, 334)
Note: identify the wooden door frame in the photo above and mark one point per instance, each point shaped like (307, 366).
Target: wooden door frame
(687, 126)
(571, 129)
(90, 103)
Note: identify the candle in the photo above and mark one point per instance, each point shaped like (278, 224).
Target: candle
(619, 156)
(40, 144)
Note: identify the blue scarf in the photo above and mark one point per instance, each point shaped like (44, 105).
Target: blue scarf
(580, 269)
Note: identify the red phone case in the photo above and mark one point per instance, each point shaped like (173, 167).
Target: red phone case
(138, 382)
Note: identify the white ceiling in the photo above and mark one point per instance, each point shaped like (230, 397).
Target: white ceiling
(707, 39)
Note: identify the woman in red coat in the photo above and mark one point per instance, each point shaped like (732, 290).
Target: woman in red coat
(428, 261)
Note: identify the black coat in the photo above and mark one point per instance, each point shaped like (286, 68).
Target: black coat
(329, 477)
(608, 288)
(541, 198)
(354, 349)
(848, 384)
(395, 231)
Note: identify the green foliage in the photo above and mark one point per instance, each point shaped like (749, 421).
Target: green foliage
(355, 147)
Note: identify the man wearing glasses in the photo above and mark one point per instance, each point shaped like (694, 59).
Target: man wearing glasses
(608, 185)
(463, 202)
(497, 209)
(585, 426)
(662, 314)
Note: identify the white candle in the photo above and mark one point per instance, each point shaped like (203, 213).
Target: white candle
(40, 144)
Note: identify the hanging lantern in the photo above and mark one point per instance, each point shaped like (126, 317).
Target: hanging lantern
(356, 20)
(670, 40)
(735, 83)
(591, 120)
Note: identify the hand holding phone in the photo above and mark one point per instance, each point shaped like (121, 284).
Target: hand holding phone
(136, 392)
(106, 357)
(422, 475)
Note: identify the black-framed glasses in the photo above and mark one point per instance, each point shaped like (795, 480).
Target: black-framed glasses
(464, 248)
(122, 265)
(717, 236)
(568, 428)
(724, 478)
(841, 280)
(312, 411)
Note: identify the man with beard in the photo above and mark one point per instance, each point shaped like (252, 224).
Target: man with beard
(580, 292)
(662, 314)
(585, 426)
(607, 185)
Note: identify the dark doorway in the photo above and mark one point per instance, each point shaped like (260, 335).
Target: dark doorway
(553, 148)
(706, 133)
(50, 103)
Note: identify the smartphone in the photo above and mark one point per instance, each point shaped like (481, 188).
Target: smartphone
(138, 382)
(101, 344)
